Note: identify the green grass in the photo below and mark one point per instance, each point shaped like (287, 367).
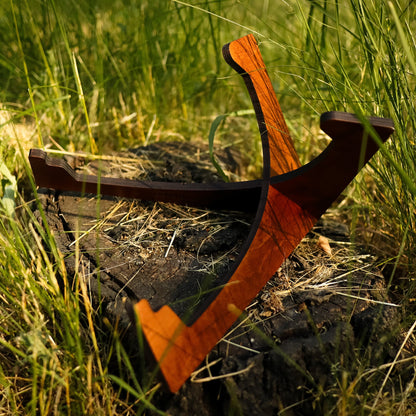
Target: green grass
(110, 75)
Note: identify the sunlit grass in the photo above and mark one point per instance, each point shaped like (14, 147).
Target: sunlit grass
(110, 75)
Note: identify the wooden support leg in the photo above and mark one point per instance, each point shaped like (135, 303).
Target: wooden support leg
(288, 200)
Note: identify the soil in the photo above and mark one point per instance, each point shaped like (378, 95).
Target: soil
(293, 341)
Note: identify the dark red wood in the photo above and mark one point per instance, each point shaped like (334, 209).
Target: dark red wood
(288, 209)
(289, 199)
(55, 173)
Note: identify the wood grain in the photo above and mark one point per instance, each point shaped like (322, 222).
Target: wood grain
(244, 56)
(289, 205)
(288, 200)
(178, 348)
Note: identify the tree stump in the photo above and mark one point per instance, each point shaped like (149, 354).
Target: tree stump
(293, 340)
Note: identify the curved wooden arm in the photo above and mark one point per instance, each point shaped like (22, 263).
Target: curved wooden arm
(289, 199)
(294, 201)
(289, 206)
(317, 184)
(244, 56)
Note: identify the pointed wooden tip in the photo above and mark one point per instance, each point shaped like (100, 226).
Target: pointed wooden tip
(171, 342)
(339, 124)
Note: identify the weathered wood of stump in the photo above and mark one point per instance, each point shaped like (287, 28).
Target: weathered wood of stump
(304, 325)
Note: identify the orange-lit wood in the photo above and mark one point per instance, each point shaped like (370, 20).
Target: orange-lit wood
(244, 56)
(288, 200)
(178, 348)
(291, 202)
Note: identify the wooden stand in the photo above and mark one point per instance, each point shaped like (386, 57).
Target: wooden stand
(288, 200)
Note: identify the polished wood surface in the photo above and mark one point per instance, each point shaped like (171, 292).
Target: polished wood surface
(244, 56)
(291, 202)
(55, 173)
(178, 348)
(288, 200)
